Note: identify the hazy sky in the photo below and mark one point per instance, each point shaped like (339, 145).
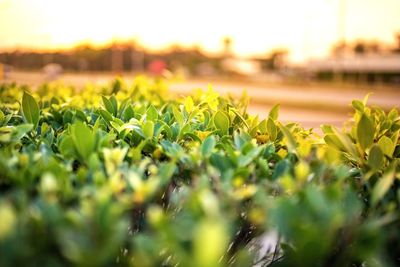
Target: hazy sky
(308, 28)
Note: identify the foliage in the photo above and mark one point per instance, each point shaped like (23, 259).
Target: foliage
(126, 176)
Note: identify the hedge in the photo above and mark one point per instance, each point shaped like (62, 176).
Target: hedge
(128, 175)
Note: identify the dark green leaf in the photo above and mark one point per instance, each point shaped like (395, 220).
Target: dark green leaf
(375, 157)
(365, 132)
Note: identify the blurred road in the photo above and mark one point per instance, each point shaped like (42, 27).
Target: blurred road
(311, 105)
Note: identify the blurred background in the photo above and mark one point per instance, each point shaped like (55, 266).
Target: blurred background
(311, 56)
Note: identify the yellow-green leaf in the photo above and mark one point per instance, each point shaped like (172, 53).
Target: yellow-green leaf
(290, 142)
(358, 105)
(271, 128)
(152, 113)
(387, 146)
(189, 104)
(178, 116)
(148, 129)
(84, 139)
(221, 122)
(262, 127)
(274, 112)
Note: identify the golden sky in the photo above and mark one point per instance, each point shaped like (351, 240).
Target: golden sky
(308, 28)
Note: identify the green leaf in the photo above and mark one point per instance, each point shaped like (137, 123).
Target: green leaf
(148, 129)
(383, 185)
(109, 106)
(365, 132)
(332, 140)
(14, 133)
(250, 156)
(274, 112)
(84, 139)
(346, 143)
(386, 145)
(106, 115)
(221, 122)
(114, 103)
(207, 146)
(241, 139)
(166, 171)
(30, 109)
(375, 157)
(67, 146)
(21, 130)
(240, 117)
(281, 168)
(128, 113)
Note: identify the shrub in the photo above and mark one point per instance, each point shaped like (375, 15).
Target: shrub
(126, 175)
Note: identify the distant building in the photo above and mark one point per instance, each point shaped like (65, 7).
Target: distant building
(4, 71)
(371, 68)
(52, 71)
(244, 67)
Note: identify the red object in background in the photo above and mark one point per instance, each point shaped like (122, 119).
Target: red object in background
(157, 67)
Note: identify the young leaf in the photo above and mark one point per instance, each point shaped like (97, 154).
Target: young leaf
(30, 109)
(189, 104)
(274, 112)
(221, 122)
(365, 100)
(271, 128)
(365, 132)
(358, 105)
(326, 129)
(386, 145)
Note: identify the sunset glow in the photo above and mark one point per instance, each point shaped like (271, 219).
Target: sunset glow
(306, 28)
